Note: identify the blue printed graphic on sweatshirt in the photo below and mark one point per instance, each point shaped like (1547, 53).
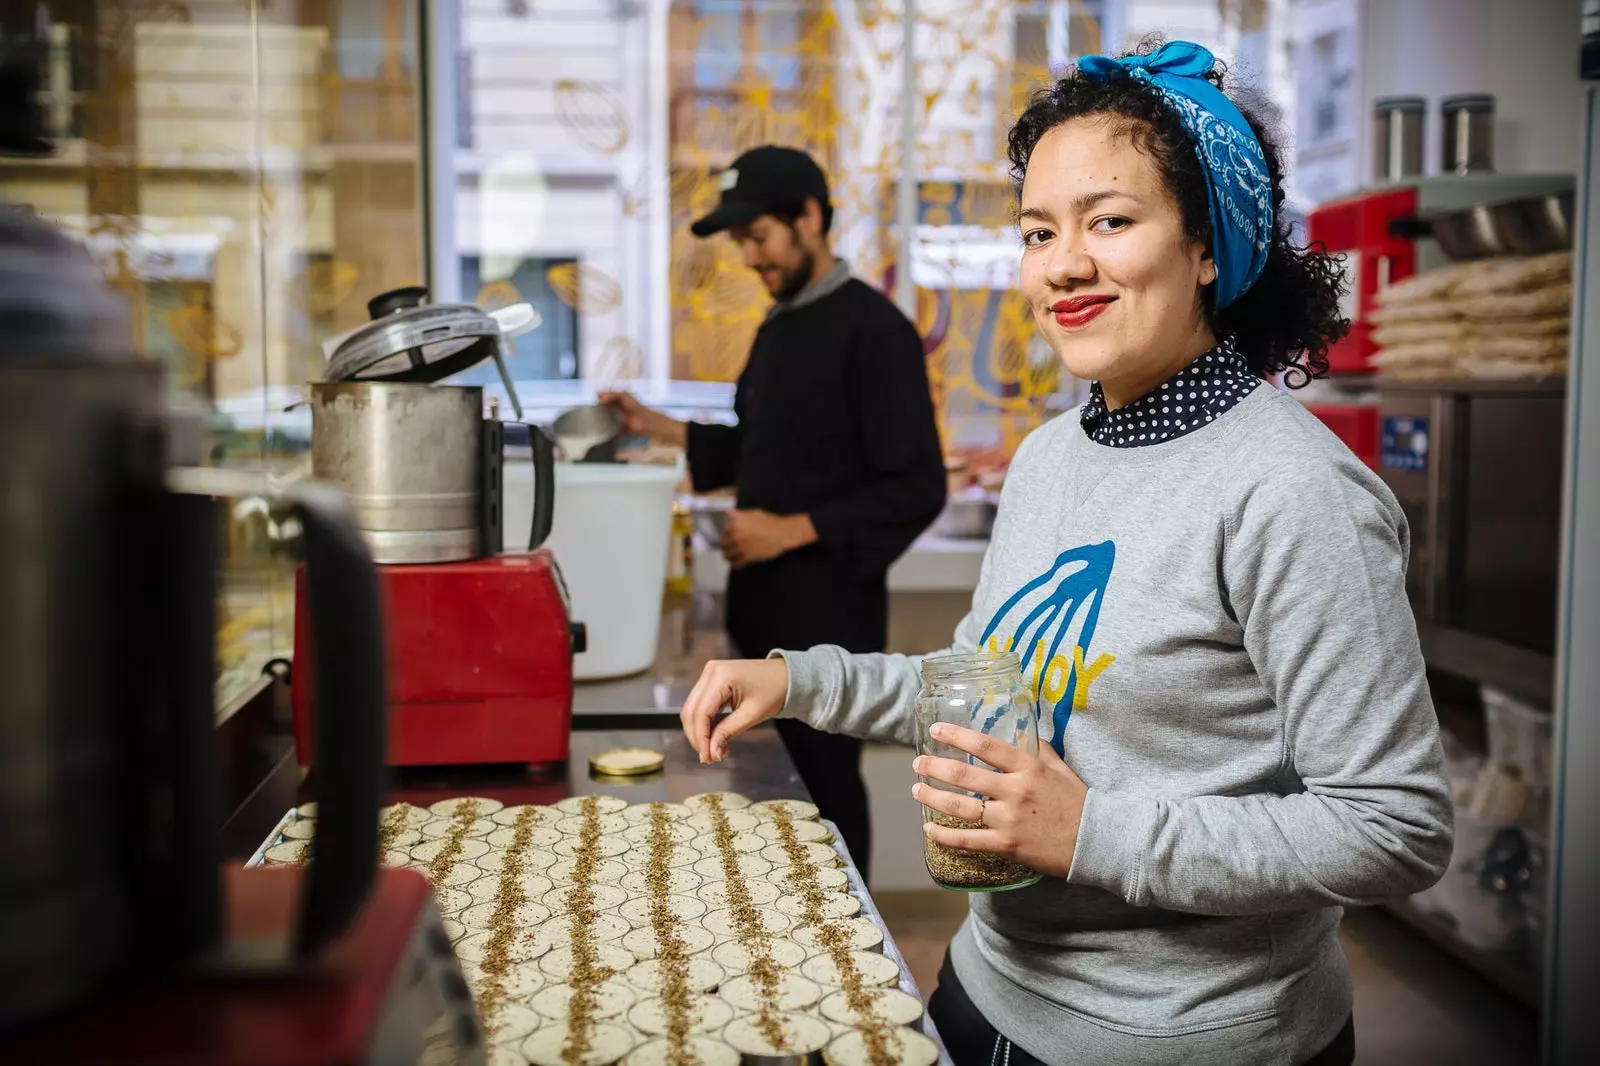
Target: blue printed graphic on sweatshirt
(1050, 621)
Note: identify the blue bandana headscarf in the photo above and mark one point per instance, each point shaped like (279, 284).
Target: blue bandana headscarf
(1237, 183)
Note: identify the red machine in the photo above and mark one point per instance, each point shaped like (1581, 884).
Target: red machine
(389, 990)
(479, 662)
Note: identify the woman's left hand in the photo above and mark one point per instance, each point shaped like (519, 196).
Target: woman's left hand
(1034, 804)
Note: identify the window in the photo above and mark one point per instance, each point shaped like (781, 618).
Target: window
(551, 351)
(1328, 88)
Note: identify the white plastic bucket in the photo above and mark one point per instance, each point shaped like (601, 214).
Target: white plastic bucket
(612, 526)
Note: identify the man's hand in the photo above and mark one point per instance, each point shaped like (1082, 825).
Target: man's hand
(639, 420)
(756, 536)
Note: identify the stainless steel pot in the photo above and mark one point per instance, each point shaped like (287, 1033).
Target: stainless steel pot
(422, 468)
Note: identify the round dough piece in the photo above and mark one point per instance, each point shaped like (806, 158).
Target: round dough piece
(557, 932)
(604, 898)
(803, 1035)
(471, 851)
(888, 1004)
(607, 847)
(700, 974)
(808, 832)
(606, 805)
(543, 816)
(446, 808)
(833, 906)
(759, 893)
(474, 949)
(734, 957)
(612, 997)
(681, 881)
(404, 816)
(642, 812)
(307, 810)
(862, 933)
(796, 879)
(610, 825)
(627, 762)
(461, 875)
(704, 1050)
(523, 979)
(746, 843)
(747, 866)
(793, 993)
(819, 855)
(288, 853)
(488, 888)
(398, 858)
(511, 1023)
(738, 822)
(481, 915)
(707, 1014)
(799, 810)
(300, 829)
(404, 839)
(731, 801)
(680, 908)
(558, 964)
(533, 861)
(606, 871)
(876, 969)
(643, 834)
(642, 856)
(646, 945)
(726, 926)
(452, 901)
(440, 828)
(907, 1047)
(504, 838)
(453, 930)
(608, 1044)
(496, 1055)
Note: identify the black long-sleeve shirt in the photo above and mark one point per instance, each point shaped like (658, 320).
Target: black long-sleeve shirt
(835, 421)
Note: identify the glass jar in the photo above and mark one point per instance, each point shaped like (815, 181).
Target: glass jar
(985, 693)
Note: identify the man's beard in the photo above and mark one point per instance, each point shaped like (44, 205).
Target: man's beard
(795, 281)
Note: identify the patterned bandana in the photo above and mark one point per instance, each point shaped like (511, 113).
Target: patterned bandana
(1237, 184)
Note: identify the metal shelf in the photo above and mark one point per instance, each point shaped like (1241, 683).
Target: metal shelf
(1529, 675)
(1508, 969)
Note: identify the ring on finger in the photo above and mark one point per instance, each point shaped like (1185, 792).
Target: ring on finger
(983, 807)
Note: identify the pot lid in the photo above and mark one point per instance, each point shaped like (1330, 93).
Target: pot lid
(407, 341)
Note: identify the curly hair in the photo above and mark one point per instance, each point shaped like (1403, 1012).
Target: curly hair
(1289, 318)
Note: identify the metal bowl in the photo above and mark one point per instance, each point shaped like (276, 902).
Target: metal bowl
(1535, 225)
(1469, 233)
(592, 430)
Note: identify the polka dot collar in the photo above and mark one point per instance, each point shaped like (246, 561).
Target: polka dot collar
(1196, 396)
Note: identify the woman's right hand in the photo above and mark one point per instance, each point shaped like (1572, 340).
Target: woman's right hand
(753, 690)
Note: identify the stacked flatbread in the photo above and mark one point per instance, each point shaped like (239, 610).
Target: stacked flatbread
(1499, 318)
(701, 933)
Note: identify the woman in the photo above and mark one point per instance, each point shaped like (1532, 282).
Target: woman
(1208, 590)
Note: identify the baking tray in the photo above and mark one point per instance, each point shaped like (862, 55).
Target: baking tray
(858, 889)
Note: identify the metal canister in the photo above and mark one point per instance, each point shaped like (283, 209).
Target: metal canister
(408, 457)
(1397, 137)
(1467, 129)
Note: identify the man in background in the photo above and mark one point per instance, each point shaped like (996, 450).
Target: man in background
(835, 455)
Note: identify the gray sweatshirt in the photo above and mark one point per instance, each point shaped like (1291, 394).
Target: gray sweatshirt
(1218, 631)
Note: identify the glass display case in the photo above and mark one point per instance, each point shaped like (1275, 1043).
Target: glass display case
(246, 172)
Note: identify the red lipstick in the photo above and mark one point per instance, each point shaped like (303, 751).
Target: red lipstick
(1079, 311)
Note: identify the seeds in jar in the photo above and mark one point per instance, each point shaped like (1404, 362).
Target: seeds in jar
(960, 868)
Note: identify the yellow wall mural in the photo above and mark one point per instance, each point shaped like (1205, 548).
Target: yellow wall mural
(827, 76)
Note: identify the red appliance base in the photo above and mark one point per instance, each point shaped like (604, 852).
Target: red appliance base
(479, 663)
(369, 999)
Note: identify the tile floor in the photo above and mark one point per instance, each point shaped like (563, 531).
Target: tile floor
(1414, 1006)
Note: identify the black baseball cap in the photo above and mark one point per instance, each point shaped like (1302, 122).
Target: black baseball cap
(760, 180)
